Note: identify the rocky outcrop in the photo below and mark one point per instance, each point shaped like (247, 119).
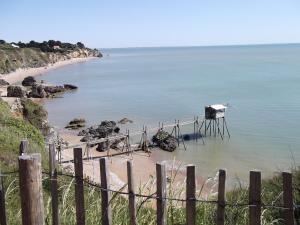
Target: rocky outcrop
(16, 91)
(105, 129)
(37, 91)
(3, 82)
(54, 89)
(103, 146)
(70, 87)
(165, 141)
(125, 121)
(28, 81)
(46, 91)
(76, 124)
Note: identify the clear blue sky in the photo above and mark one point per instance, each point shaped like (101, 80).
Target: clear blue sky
(140, 23)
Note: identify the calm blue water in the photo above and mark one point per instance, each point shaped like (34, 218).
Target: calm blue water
(148, 85)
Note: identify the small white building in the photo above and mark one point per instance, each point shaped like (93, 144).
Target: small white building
(15, 46)
(215, 111)
(56, 47)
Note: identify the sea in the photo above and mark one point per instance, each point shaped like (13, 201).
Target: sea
(260, 84)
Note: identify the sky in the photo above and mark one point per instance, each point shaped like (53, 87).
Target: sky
(148, 23)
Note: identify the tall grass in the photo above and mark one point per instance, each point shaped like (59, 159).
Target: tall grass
(146, 214)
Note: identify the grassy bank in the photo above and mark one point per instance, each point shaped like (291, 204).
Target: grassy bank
(12, 130)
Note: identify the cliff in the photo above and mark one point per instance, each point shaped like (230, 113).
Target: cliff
(34, 54)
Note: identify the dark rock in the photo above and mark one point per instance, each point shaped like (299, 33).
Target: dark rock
(86, 138)
(82, 133)
(16, 91)
(125, 120)
(105, 129)
(165, 141)
(117, 144)
(3, 82)
(76, 124)
(189, 137)
(70, 87)
(103, 146)
(28, 81)
(54, 89)
(37, 91)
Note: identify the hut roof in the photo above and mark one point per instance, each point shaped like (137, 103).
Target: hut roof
(218, 106)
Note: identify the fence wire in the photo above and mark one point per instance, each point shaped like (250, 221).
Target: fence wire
(153, 196)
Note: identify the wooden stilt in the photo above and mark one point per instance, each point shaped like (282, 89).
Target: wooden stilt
(223, 127)
(226, 128)
(179, 132)
(219, 131)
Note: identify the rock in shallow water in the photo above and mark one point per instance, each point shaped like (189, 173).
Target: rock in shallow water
(54, 89)
(165, 141)
(37, 91)
(125, 120)
(70, 87)
(105, 129)
(76, 124)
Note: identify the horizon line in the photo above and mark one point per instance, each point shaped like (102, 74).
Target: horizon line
(193, 46)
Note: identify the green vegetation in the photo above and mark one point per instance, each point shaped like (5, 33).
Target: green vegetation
(35, 54)
(35, 114)
(13, 58)
(12, 131)
(206, 212)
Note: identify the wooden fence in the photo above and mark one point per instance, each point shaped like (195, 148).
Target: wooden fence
(30, 176)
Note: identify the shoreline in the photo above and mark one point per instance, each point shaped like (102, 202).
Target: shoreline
(20, 74)
(144, 164)
(144, 167)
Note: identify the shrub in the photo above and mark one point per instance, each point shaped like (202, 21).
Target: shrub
(35, 114)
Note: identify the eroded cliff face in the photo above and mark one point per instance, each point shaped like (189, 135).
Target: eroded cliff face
(78, 53)
(14, 58)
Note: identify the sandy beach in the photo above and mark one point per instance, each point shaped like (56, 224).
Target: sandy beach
(20, 74)
(144, 168)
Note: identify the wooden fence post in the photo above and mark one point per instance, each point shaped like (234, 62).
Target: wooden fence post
(2, 203)
(105, 194)
(131, 191)
(161, 203)
(255, 198)
(31, 189)
(53, 181)
(190, 195)
(221, 198)
(288, 198)
(23, 147)
(79, 194)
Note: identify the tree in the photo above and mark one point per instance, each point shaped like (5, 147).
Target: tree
(2, 42)
(51, 43)
(80, 45)
(21, 44)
